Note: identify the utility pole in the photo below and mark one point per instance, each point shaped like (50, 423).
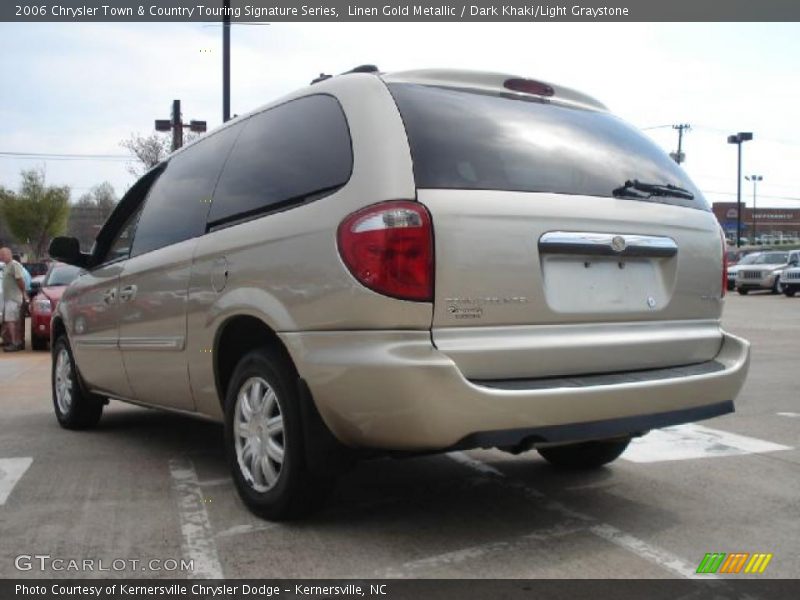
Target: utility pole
(678, 156)
(176, 125)
(226, 61)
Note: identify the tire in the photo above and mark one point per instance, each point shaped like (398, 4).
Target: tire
(742, 291)
(789, 292)
(777, 287)
(38, 343)
(585, 455)
(74, 408)
(269, 463)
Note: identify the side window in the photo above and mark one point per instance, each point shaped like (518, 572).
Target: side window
(285, 154)
(121, 245)
(177, 206)
(115, 238)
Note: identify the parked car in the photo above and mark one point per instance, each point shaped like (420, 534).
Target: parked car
(570, 302)
(790, 278)
(734, 268)
(36, 269)
(46, 296)
(763, 273)
(735, 255)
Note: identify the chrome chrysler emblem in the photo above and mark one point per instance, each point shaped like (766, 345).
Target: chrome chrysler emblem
(618, 243)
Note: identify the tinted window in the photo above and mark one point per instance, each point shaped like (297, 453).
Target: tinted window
(288, 153)
(473, 140)
(120, 246)
(177, 205)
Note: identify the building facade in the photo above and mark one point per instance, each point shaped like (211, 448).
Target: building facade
(775, 223)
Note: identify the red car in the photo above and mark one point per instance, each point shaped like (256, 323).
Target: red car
(45, 300)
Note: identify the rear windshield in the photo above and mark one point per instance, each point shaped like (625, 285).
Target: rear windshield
(475, 140)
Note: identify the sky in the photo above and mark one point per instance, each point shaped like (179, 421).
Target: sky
(81, 88)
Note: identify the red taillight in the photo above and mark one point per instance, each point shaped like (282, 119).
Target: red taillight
(724, 264)
(529, 86)
(388, 247)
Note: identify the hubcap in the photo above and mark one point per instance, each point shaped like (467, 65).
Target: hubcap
(63, 383)
(258, 433)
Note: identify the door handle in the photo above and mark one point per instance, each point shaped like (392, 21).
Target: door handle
(127, 293)
(109, 295)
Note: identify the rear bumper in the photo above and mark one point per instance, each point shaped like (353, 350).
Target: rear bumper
(40, 325)
(395, 390)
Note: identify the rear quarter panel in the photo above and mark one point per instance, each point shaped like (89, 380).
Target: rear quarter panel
(285, 268)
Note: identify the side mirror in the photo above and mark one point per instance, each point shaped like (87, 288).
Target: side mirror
(36, 286)
(68, 250)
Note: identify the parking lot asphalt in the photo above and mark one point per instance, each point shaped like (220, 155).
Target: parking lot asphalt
(150, 485)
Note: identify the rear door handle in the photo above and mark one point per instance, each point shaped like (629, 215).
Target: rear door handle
(127, 293)
(109, 295)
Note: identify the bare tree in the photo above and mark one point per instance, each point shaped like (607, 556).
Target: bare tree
(103, 197)
(90, 212)
(147, 151)
(150, 150)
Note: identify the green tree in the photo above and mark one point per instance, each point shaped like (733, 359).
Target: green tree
(36, 213)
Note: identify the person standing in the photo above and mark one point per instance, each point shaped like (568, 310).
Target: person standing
(24, 313)
(13, 299)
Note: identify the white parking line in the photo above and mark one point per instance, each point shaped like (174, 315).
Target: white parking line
(690, 441)
(198, 537)
(788, 414)
(11, 471)
(408, 569)
(244, 529)
(642, 549)
(214, 482)
(658, 556)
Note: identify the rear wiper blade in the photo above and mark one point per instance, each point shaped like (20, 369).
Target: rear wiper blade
(652, 189)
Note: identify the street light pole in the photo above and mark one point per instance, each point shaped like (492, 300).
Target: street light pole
(176, 125)
(738, 139)
(755, 179)
(226, 61)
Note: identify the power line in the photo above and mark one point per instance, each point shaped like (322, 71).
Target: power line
(55, 156)
(715, 130)
(655, 127)
(793, 198)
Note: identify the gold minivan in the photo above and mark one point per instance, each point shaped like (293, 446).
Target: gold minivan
(404, 263)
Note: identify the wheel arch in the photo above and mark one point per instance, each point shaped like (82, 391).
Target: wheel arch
(57, 329)
(242, 333)
(236, 336)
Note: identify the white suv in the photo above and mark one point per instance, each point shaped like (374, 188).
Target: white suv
(764, 272)
(790, 277)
